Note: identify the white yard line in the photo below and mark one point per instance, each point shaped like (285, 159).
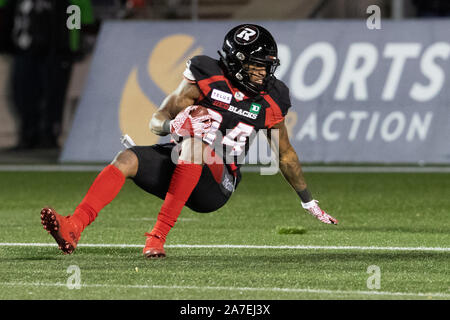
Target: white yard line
(289, 290)
(358, 169)
(155, 219)
(337, 169)
(232, 246)
(50, 167)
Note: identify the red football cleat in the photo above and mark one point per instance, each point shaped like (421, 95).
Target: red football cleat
(65, 232)
(154, 247)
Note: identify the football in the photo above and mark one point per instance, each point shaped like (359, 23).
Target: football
(199, 111)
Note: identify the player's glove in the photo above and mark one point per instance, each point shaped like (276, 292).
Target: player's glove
(190, 122)
(314, 209)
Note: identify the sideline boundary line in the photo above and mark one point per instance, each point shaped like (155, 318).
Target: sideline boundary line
(332, 169)
(291, 290)
(230, 246)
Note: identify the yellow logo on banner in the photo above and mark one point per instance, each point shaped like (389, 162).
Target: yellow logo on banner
(165, 67)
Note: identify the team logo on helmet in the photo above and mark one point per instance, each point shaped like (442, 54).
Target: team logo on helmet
(246, 35)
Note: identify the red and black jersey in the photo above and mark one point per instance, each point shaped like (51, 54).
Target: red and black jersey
(237, 115)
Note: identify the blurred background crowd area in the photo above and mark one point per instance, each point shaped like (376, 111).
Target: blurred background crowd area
(43, 64)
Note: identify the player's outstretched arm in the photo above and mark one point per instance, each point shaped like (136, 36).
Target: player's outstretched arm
(292, 171)
(290, 165)
(185, 95)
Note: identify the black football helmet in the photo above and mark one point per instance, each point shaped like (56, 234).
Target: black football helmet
(249, 44)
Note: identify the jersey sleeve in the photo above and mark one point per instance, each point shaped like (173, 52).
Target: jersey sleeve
(203, 70)
(201, 67)
(279, 101)
(187, 73)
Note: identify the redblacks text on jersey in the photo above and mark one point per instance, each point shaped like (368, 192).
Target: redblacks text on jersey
(236, 114)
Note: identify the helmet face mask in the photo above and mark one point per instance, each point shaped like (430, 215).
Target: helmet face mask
(249, 45)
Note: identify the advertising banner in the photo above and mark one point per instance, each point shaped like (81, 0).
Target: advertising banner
(358, 95)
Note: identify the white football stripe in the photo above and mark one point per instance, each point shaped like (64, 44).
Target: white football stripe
(290, 290)
(231, 246)
(245, 168)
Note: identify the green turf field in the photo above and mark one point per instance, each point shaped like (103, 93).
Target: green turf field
(374, 210)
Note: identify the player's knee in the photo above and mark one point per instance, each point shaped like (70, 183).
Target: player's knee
(127, 162)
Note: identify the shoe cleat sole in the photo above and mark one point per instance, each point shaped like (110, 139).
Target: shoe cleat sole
(50, 223)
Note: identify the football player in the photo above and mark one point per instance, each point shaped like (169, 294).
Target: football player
(219, 103)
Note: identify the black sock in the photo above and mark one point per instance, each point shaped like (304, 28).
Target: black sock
(305, 195)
